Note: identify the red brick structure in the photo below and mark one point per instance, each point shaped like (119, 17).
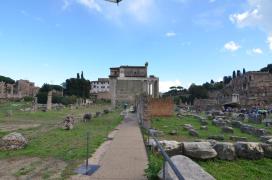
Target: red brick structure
(161, 107)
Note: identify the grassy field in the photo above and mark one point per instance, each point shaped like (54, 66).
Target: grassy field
(166, 125)
(221, 170)
(49, 140)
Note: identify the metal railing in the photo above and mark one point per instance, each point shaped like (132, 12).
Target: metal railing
(166, 158)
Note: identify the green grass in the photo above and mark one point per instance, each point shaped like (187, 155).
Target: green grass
(167, 124)
(221, 170)
(239, 169)
(49, 140)
(155, 162)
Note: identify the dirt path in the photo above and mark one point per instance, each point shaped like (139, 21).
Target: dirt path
(125, 157)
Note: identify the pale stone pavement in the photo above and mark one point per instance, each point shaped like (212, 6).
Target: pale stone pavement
(126, 156)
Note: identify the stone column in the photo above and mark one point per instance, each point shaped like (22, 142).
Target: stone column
(35, 104)
(49, 101)
(11, 90)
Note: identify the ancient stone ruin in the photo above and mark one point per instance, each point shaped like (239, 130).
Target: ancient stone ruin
(68, 123)
(13, 141)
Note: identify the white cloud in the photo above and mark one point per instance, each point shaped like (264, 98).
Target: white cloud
(90, 4)
(269, 41)
(141, 9)
(170, 34)
(211, 1)
(257, 51)
(66, 4)
(258, 14)
(232, 46)
(248, 18)
(165, 85)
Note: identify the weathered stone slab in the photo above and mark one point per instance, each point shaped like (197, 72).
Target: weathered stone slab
(267, 148)
(225, 151)
(249, 150)
(188, 169)
(199, 150)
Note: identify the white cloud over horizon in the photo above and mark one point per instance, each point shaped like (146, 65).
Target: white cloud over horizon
(165, 85)
(258, 14)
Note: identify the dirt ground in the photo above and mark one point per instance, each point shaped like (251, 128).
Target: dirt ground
(14, 127)
(24, 168)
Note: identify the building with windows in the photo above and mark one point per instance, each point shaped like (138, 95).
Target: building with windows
(127, 82)
(101, 89)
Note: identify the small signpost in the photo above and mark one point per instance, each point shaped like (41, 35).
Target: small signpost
(87, 169)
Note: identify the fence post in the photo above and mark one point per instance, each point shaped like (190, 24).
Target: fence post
(164, 169)
(87, 153)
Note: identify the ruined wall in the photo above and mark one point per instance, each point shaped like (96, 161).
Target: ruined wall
(161, 107)
(103, 95)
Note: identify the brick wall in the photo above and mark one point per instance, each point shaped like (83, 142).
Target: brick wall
(161, 107)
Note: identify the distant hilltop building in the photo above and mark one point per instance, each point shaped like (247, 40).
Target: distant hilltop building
(20, 89)
(101, 88)
(252, 88)
(126, 82)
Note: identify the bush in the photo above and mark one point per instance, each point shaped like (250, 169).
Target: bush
(66, 100)
(154, 166)
(42, 97)
(28, 99)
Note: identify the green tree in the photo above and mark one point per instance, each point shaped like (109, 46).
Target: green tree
(244, 71)
(233, 75)
(6, 80)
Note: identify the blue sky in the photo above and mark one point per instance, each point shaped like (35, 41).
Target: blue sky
(184, 41)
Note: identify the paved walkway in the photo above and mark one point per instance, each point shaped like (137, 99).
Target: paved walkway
(125, 158)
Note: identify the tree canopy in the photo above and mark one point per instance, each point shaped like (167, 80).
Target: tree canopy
(79, 86)
(6, 80)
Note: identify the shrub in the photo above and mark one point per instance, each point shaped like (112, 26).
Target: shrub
(28, 99)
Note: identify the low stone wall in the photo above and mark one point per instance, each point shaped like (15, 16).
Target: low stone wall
(222, 150)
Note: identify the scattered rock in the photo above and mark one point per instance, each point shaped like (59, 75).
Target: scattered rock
(217, 137)
(199, 150)
(204, 128)
(267, 148)
(236, 124)
(219, 122)
(155, 132)
(185, 166)
(249, 150)
(236, 138)
(265, 138)
(68, 123)
(106, 111)
(227, 129)
(260, 132)
(225, 151)
(97, 114)
(188, 126)
(13, 141)
(269, 141)
(173, 132)
(87, 117)
(171, 147)
(193, 132)
(203, 122)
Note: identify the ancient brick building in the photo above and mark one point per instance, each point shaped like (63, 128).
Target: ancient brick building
(126, 82)
(20, 89)
(252, 88)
